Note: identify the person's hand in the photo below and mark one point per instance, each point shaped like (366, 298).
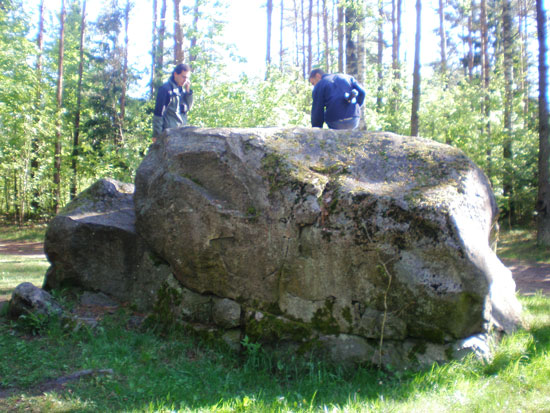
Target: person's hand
(187, 85)
(154, 139)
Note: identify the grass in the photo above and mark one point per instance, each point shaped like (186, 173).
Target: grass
(15, 270)
(30, 232)
(182, 372)
(521, 245)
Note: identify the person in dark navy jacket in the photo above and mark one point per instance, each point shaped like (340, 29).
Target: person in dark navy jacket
(337, 100)
(174, 100)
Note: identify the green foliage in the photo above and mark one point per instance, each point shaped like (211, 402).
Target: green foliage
(280, 100)
(452, 105)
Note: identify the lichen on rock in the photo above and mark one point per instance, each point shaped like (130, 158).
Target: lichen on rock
(371, 242)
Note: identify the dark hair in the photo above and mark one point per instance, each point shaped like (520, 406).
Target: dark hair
(182, 67)
(316, 72)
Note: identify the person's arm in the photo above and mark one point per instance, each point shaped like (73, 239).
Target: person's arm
(160, 105)
(317, 108)
(188, 99)
(360, 92)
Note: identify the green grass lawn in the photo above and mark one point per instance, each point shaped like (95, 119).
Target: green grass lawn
(182, 372)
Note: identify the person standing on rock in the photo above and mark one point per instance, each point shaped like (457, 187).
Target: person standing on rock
(174, 100)
(337, 100)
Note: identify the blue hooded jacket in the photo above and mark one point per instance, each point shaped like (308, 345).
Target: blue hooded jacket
(329, 93)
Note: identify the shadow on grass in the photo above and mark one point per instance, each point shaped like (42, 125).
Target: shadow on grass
(183, 370)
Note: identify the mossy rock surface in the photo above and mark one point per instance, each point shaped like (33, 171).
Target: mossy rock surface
(372, 236)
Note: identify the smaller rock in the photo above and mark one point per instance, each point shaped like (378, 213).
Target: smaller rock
(195, 308)
(226, 313)
(27, 298)
(347, 350)
(233, 339)
(90, 299)
(477, 344)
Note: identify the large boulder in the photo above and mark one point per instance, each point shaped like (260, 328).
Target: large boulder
(92, 244)
(335, 236)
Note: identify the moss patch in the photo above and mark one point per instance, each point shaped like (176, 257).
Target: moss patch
(323, 320)
(164, 315)
(269, 328)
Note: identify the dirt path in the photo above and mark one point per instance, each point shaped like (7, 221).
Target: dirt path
(21, 248)
(529, 277)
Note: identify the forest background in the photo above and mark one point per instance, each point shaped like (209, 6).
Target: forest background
(76, 101)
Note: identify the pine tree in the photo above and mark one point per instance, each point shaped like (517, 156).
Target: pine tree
(416, 75)
(543, 201)
(59, 98)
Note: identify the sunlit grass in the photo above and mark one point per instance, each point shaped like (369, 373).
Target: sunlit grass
(521, 244)
(15, 269)
(30, 232)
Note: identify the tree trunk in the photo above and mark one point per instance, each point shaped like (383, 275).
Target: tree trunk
(416, 73)
(76, 138)
(470, 45)
(318, 33)
(507, 43)
(59, 96)
(34, 152)
(153, 52)
(543, 201)
(396, 66)
(341, 51)
(486, 84)
(361, 44)
(309, 37)
(325, 36)
(442, 38)
(193, 45)
(380, 56)
(281, 27)
(351, 44)
(396, 37)
(179, 57)
(40, 46)
(160, 48)
(304, 62)
(524, 62)
(296, 34)
(124, 75)
(268, 48)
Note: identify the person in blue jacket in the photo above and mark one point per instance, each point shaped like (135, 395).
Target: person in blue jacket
(174, 100)
(337, 100)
